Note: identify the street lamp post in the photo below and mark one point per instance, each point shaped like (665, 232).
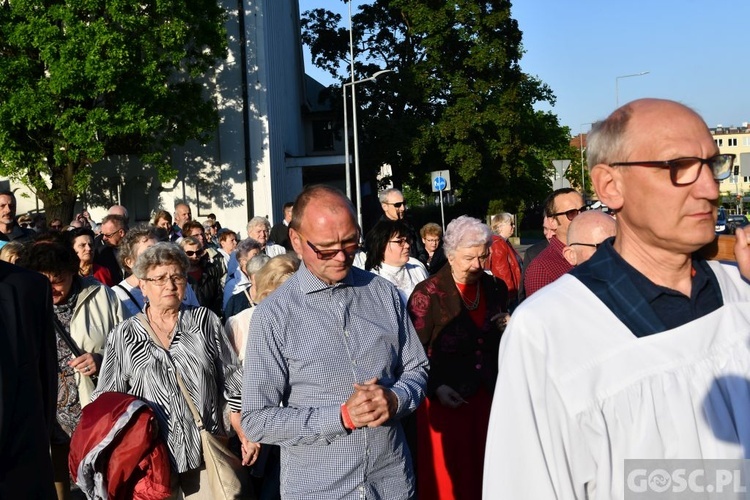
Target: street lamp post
(583, 174)
(617, 85)
(357, 186)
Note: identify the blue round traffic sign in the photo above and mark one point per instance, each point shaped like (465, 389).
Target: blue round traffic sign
(439, 183)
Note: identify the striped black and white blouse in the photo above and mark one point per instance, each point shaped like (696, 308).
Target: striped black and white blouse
(135, 364)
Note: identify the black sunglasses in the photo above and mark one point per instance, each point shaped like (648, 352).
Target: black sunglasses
(190, 253)
(570, 214)
(592, 245)
(398, 204)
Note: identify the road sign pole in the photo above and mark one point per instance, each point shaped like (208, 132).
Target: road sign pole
(442, 213)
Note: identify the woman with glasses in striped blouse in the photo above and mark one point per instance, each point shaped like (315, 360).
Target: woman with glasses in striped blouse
(188, 341)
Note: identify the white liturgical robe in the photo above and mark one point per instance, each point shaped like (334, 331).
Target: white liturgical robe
(577, 393)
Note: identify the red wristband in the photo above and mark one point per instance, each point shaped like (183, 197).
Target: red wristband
(347, 418)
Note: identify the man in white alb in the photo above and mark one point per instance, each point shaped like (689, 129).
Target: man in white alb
(637, 353)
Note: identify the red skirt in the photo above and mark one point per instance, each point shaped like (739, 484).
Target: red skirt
(450, 448)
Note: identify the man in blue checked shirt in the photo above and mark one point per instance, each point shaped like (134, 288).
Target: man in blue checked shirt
(332, 365)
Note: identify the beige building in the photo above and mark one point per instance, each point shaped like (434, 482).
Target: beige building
(735, 191)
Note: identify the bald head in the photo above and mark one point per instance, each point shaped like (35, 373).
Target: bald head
(330, 197)
(118, 210)
(632, 156)
(585, 233)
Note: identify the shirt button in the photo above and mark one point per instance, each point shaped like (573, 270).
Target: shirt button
(346, 333)
(354, 362)
(480, 341)
(478, 366)
(478, 353)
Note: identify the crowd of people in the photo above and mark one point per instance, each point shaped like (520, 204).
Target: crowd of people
(404, 363)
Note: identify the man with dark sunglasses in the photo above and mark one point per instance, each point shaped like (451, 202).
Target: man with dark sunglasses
(562, 207)
(394, 208)
(334, 365)
(643, 351)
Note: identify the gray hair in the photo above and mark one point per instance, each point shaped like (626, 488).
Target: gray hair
(245, 246)
(258, 221)
(118, 221)
(256, 263)
(501, 219)
(383, 195)
(465, 232)
(161, 254)
(133, 237)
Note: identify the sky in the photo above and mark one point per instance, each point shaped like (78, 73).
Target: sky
(693, 51)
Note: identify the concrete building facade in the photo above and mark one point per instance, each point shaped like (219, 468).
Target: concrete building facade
(735, 191)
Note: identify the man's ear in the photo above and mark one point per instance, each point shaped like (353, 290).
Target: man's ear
(296, 240)
(607, 183)
(570, 255)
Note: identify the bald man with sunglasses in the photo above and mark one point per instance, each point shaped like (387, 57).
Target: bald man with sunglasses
(641, 352)
(334, 365)
(562, 207)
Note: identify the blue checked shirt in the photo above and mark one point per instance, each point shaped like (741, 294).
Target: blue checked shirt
(309, 342)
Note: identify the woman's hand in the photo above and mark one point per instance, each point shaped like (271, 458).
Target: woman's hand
(448, 397)
(86, 364)
(501, 320)
(250, 451)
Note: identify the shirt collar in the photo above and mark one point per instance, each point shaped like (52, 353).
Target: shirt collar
(600, 266)
(309, 283)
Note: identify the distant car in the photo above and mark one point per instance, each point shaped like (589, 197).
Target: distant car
(734, 221)
(721, 221)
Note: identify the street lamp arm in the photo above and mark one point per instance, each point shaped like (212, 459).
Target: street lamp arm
(617, 85)
(371, 78)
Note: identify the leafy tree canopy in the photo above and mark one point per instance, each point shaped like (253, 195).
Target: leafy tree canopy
(84, 79)
(459, 99)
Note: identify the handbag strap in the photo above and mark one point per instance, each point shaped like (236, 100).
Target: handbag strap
(196, 416)
(130, 295)
(66, 337)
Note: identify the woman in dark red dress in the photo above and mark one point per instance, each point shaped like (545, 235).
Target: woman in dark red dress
(459, 314)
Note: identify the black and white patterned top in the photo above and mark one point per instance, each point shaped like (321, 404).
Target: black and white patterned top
(134, 364)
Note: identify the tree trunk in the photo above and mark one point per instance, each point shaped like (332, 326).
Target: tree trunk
(60, 206)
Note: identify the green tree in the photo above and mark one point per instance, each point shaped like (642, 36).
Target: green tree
(458, 101)
(84, 79)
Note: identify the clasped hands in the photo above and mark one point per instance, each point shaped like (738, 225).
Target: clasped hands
(250, 450)
(371, 405)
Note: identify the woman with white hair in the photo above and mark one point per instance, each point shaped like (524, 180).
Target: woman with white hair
(258, 228)
(266, 278)
(459, 315)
